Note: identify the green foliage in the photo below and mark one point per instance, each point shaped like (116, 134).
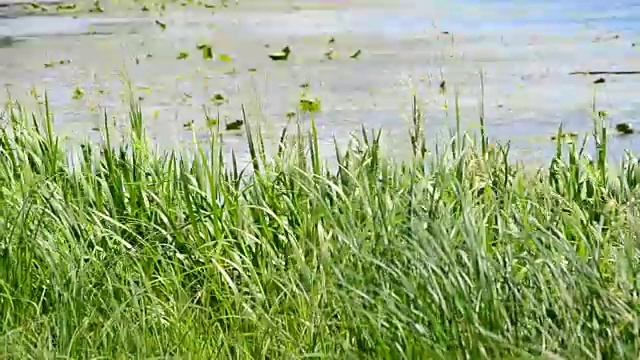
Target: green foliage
(121, 252)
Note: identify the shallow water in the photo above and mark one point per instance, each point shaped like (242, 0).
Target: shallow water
(524, 48)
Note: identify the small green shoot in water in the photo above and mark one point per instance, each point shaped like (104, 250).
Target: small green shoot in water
(332, 40)
(211, 121)
(565, 136)
(207, 51)
(97, 8)
(182, 55)
(34, 93)
(356, 54)
(443, 87)
(162, 25)
(188, 124)
(234, 125)
(144, 8)
(77, 93)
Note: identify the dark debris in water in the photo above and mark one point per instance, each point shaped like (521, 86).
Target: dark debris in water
(162, 25)
(443, 87)
(624, 128)
(234, 125)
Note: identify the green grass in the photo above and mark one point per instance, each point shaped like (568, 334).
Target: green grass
(122, 252)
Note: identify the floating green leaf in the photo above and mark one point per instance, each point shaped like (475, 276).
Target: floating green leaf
(51, 64)
(182, 55)
(310, 105)
(281, 55)
(356, 54)
(217, 98)
(69, 6)
(77, 93)
(224, 58)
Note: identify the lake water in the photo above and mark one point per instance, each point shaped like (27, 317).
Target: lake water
(524, 48)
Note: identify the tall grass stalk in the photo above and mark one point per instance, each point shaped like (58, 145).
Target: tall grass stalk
(118, 252)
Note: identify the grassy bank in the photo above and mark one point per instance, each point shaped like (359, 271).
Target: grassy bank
(123, 252)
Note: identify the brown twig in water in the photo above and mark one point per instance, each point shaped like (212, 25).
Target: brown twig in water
(605, 73)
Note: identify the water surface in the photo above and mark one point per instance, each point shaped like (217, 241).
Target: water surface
(524, 48)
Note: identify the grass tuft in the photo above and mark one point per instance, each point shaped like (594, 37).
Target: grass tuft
(123, 251)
